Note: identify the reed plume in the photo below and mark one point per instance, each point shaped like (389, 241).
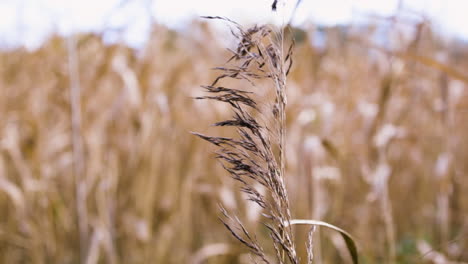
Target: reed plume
(251, 158)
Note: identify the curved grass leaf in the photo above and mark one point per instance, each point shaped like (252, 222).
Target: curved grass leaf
(350, 244)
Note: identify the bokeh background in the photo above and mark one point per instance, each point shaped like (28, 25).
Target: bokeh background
(97, 164)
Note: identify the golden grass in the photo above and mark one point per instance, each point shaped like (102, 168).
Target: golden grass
(377, 144)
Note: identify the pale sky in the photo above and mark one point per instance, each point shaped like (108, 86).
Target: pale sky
(29, 22)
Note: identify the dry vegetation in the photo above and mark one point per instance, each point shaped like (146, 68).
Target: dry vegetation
(97, 164)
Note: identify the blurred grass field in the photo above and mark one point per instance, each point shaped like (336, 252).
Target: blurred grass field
(97, 164)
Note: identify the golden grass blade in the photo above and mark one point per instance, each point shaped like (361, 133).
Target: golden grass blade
(425, 60)
(430, 62)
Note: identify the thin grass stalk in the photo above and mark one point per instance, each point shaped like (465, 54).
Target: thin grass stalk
(77, 145)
